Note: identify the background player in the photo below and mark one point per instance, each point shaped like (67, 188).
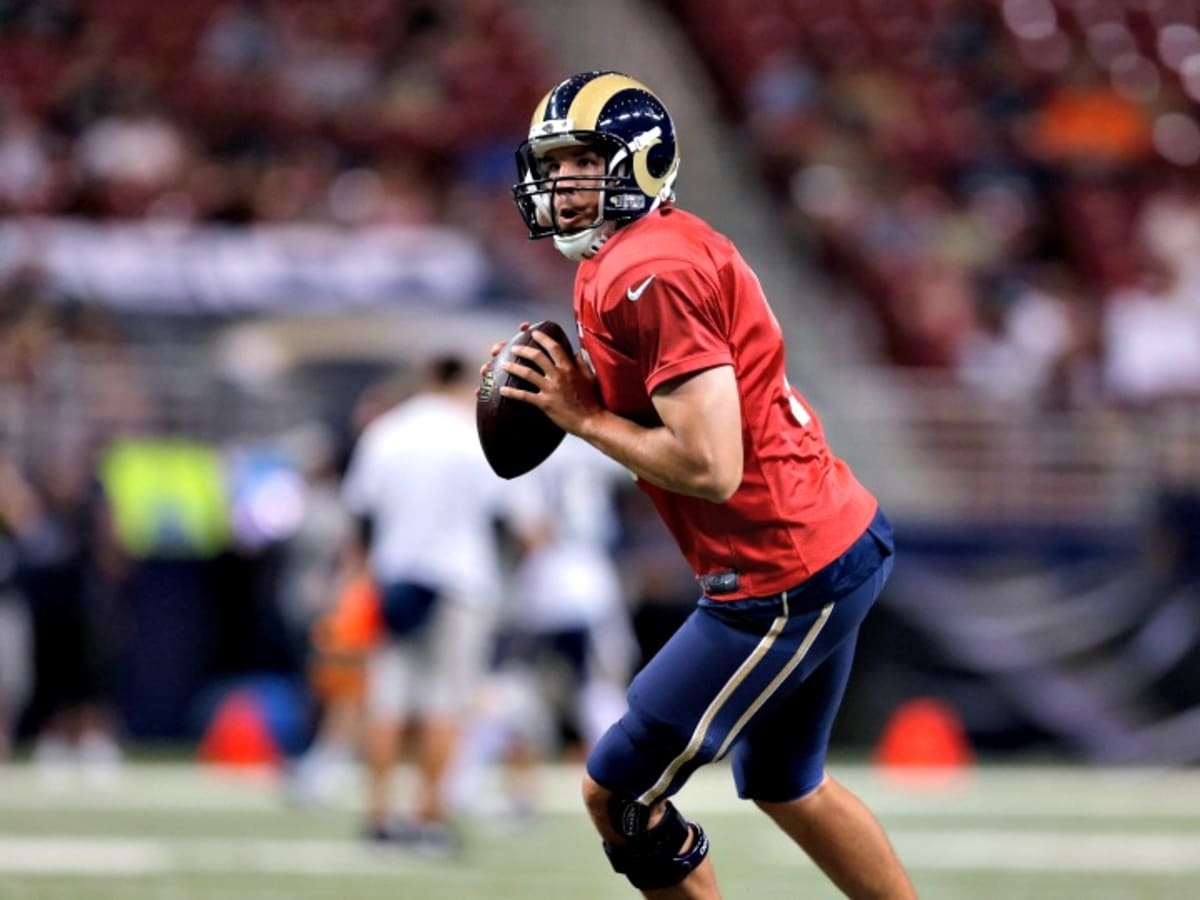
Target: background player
(566, 648)
(426, 498)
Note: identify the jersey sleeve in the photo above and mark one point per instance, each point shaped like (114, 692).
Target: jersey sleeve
(674, 326)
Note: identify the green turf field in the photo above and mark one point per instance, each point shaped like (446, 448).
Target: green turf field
(174, 832)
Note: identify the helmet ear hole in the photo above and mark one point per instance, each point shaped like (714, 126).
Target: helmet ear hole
(658, 160)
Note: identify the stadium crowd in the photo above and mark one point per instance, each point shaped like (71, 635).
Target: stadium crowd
(279, 111)
(239, 110)
(1011, 186)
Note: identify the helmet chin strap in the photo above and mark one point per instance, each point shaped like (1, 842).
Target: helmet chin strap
(583, 244)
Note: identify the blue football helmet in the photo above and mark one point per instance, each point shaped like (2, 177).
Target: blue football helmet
(623, 121)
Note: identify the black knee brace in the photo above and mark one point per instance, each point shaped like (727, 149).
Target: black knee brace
(650, 859)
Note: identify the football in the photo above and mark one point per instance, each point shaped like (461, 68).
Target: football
(516, 437)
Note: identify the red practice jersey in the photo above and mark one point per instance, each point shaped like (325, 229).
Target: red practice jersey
(668, 296)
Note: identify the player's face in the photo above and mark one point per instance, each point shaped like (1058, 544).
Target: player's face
(576, 198)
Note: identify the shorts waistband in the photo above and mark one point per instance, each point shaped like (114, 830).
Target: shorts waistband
(849, 570)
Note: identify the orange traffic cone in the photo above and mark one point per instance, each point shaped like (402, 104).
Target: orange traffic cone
(238, 734)
(924, 740)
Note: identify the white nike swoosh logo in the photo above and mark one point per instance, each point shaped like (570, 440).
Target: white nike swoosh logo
(634, 293)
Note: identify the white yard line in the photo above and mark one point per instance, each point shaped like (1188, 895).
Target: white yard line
(83, 856)
(148, 856)
(1050, 851)
(926, 849)
(993, 793)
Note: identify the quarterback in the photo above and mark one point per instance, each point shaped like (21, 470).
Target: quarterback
(681, 379)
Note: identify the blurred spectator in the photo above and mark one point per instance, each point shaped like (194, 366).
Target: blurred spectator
(425, 498)
(1151, 328)
(661, 586)
(412, 90)
(134, 149)
(1035, 345)
(252, 109)
(54, 525)
(567, 588)
(45, 18)
(937, 309)
(1086, 123)
(342, 640)
(566, 649)
(241, 37)
(330, 607)
(1152, 338)
(329, 588)
(940, 154)
(781, 102)
(16, 649)
(82, 92)
(1169, 229)
(314, 548)
(25, 172)
(317, 71)
(67, 370)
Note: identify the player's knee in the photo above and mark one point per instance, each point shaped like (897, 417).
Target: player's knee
(652, 856)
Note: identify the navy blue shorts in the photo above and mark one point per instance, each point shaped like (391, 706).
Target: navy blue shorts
(761, 678)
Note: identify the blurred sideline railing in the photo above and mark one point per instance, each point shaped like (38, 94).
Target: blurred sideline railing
(931, 449)
(82, 396)
(979, 458)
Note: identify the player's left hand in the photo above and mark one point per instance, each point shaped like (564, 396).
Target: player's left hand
(493, 353)
(566, 390)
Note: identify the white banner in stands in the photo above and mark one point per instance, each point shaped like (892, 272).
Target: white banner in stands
(170, 268)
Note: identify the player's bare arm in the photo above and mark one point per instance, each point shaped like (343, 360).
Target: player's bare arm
(696, 451)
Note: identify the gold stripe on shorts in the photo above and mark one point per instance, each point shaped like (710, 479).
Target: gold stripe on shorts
(701, 730)
(787, 670)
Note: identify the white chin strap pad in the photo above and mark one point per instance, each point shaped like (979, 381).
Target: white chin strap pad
(583, 244)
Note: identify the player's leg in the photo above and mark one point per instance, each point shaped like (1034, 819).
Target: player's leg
(458, 646)
(385, 709)
(837, 830)
(381, 746)
(780, 764)
(16, 664)
(686, 707)
(667, 850)
(341, 642)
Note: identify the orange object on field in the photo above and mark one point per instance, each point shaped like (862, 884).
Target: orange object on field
(238, 734)
(355, 623)
(924, 734)
(342, 639)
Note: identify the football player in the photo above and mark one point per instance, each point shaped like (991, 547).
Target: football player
(681, 379)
